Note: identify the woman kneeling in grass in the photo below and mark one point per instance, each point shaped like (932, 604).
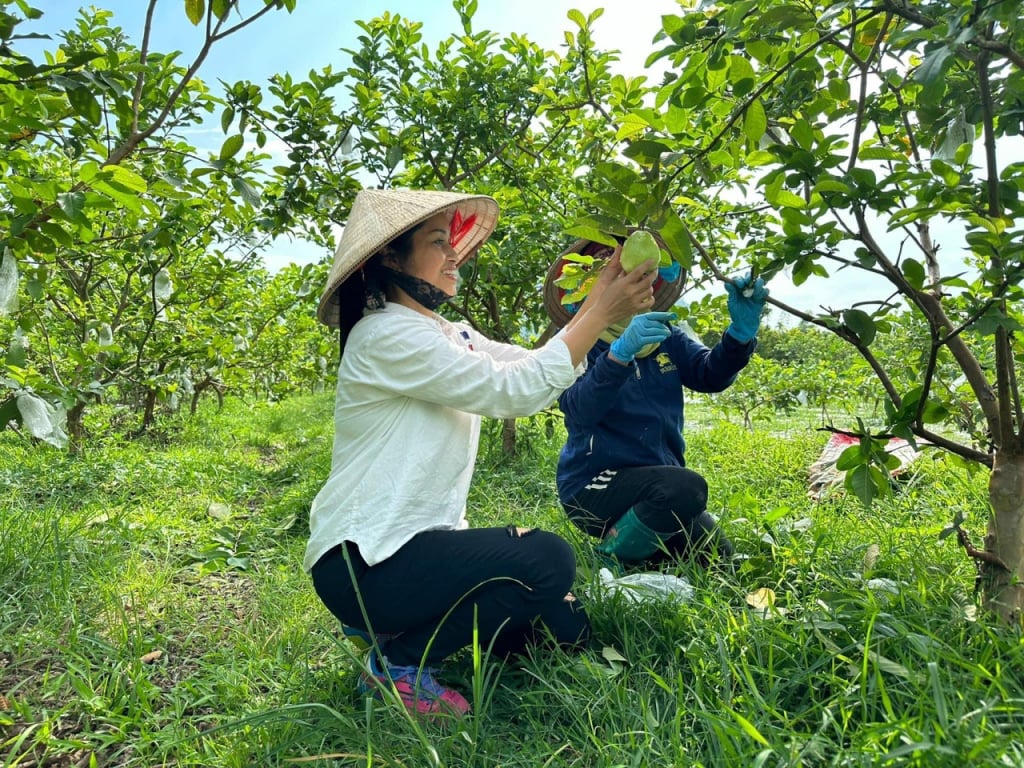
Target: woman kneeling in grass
(390, 550)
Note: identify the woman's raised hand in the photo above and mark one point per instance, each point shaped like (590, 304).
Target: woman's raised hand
(624, 294)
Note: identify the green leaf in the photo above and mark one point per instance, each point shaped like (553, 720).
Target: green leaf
(645, 151)
(851, 457)
(880, 153)
(592, 234)
(760, 50)
(755, 122)
(621, 177)
(913, 271)
(749, 728)
(220, 8)
(122, 177)
(40, 242)
(761, 157)
(740, 69)
(393, 156)
(934, 66)
(231, 146)
(227, 117)
(57, 233)
(934, 412)
(631, 125)
(85, 104)
(780, 197)
(860, 483)
(861, 324)
(839, 88)
(802, 133)
(786, 17)
(72, 204)
(677, 238)
(831, 185)
(248, 192)
(195, 10)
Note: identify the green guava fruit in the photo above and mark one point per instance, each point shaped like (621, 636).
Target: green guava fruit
(638, 248)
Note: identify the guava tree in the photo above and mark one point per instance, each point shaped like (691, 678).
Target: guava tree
(112, 225)
(479, 112)
(876, 137)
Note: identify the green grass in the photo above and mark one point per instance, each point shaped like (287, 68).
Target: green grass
(153, 612)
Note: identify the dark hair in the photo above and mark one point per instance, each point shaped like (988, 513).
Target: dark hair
(351, 294)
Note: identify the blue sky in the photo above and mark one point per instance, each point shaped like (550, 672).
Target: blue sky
(313, 35)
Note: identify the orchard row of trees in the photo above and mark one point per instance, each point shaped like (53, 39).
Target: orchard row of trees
(804, 139)
(130, 268)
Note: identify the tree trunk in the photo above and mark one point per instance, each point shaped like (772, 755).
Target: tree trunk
(149, 410)
(1003, 574)
(508, 437)
(76, 427)
(201, 387)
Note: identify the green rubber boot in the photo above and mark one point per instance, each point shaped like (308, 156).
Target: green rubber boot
(631, 540)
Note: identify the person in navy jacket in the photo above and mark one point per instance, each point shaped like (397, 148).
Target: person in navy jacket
(622, 475)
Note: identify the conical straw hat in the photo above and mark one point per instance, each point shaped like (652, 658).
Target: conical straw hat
(378, 216)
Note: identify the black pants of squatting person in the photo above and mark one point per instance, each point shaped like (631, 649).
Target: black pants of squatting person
(667, 499)
(433, 591)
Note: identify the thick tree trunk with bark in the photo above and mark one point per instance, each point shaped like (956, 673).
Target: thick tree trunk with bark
(1003, 573)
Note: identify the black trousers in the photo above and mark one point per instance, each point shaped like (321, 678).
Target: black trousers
(667, 499)
(432, 592)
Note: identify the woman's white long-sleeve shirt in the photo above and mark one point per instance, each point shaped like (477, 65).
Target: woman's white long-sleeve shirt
(411, 391)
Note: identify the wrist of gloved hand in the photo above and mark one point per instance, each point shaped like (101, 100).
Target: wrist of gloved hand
(648, 328)
(622, 350)
(743, 332)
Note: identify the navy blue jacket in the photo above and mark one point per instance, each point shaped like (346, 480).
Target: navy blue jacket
(632, 415)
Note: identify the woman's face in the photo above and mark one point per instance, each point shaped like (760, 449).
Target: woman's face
(432, 258)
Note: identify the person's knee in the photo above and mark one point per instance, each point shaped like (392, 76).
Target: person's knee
(686, 483)
(552, 560)
(680, 494)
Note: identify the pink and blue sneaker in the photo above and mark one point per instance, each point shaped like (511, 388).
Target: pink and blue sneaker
(416, 687)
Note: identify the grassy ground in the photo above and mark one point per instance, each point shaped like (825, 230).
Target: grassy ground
(153, 612)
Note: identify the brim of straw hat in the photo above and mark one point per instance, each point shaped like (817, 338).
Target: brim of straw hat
(666, 292)
(378, 216)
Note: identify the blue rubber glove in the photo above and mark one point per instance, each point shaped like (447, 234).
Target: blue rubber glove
(648, 328)
(744, 310)
(671, 272)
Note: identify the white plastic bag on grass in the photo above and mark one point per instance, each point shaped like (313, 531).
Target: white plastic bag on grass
(641, 587)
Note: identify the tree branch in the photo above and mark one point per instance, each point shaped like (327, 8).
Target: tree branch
(136, 137)
(140, 78)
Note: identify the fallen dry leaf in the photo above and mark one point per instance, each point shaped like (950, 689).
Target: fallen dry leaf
(762, 599)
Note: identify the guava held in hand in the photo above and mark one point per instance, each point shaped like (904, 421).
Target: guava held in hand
(638, 248)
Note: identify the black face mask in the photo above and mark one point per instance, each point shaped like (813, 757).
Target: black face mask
(427, 294)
